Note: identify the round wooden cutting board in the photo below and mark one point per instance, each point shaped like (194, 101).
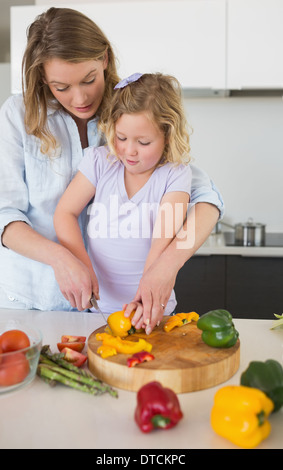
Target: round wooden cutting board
(182, 361)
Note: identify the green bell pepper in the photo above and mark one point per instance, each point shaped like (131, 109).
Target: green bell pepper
(268, 377)
(218, 329)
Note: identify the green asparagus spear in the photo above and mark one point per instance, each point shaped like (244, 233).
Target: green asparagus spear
(90, 381)
(52, 367)
(47, 373)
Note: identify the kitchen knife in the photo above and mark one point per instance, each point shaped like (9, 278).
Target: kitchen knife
(94, 303)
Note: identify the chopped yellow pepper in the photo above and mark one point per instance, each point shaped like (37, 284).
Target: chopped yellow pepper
(120, 325)
(106, 351)
(123, 346)
(180, 319)
(240, 413)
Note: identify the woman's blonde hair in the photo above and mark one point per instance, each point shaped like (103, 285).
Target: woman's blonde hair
(160, 97)
(65, 34)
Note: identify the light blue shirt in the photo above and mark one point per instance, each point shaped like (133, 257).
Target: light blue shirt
(31, 185)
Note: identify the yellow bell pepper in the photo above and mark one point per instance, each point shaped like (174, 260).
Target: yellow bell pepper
(180, 319)
(123, 346)
(120, 325)
(106, 351)
(240, 413)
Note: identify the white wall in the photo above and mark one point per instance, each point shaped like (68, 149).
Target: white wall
(5, 81)
(239, 142)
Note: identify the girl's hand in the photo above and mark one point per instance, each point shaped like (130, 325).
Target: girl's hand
(137, 320)
(154, 292)
(77, 282)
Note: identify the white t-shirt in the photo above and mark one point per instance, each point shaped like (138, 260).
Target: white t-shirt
(120, 229)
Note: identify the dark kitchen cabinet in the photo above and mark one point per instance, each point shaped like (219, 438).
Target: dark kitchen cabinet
(200, 284)
(254, 286)
(249, 287)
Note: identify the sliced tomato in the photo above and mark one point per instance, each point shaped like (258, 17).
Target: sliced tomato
(73, 339)
(74, 357)
(13, 369)
(76, 343)
(76, 346)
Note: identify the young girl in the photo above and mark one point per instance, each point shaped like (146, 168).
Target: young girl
(141, 186)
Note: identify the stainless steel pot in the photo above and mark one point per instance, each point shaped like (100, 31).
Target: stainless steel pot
(250, 234)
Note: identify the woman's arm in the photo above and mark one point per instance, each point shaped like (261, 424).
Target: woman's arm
(158, 281)
(16, 229)
(170, 219)
(78, 194)
(23, 239)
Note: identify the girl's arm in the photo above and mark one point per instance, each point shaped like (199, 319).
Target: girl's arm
(170, 219)
(74, 200)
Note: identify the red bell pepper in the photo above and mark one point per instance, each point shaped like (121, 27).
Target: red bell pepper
(157, 407)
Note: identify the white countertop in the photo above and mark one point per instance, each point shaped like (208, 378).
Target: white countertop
(215, 245)
(40, 417)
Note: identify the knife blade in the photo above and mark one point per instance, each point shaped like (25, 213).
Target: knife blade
(94, 303)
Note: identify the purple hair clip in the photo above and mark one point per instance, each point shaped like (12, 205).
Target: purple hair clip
(132, 78)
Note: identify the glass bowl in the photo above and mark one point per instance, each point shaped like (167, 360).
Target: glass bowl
(18, 368)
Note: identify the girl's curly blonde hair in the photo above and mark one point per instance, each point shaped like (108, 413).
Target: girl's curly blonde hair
(65, 34)
(160, 97)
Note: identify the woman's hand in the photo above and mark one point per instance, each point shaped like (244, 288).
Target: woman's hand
(77, 282)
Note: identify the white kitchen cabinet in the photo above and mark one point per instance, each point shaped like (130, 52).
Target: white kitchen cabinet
(182, 38)
(185, 38)
(254, 44)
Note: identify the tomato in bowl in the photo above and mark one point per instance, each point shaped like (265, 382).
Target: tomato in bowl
(20, 347)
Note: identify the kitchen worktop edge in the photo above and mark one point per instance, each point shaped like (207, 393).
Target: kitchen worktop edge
(215, 245)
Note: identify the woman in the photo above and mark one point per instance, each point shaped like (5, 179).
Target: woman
(69, 73)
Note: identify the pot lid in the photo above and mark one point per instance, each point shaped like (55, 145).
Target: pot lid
(250, 224)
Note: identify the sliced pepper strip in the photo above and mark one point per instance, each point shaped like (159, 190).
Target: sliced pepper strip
(179, 320)
(123, 346)
(139, 357)
(240, 413)
(106, 351)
